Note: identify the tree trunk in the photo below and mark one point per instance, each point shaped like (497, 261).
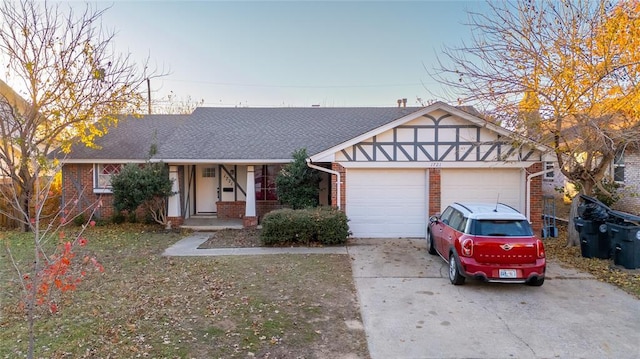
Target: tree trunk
(573, 237)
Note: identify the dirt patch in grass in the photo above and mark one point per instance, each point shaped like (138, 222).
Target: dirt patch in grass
(147, 305)
(233, 238)
(242, 238)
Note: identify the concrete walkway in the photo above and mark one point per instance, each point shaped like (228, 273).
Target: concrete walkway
(188, 247)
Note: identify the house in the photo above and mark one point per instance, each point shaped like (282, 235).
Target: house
(387, 168)
(625, 170)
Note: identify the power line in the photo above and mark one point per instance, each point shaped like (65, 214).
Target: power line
(213, 83)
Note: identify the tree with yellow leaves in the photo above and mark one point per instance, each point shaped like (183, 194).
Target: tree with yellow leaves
(67, 85)
(564, 73)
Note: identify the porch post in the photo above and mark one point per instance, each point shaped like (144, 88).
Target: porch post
(173, 209)
(174, 215)
(250, 218)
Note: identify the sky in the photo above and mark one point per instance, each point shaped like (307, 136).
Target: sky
(290, 54)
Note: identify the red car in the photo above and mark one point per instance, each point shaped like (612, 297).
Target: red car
(491, 242)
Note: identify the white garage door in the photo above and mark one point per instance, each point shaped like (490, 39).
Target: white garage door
(385, 203)
(483, 185)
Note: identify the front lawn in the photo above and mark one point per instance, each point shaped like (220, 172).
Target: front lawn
(147, 305)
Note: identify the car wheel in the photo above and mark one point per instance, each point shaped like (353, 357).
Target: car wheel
(536, 282)
(431, 248)
(454, 273)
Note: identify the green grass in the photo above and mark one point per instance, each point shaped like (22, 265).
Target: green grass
(148, 305)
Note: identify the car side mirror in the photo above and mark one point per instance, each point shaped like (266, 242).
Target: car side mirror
(434, 219)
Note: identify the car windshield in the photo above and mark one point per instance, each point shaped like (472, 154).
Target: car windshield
(507, 228)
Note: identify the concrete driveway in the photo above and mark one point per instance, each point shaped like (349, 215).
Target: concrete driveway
(410, 310)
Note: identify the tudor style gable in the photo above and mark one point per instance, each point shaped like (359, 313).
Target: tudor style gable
(439, 136)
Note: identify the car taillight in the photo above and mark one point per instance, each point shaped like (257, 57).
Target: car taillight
(540, 249)
(467, 247)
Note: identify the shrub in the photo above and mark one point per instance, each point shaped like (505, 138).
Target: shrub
(324, 226)
(79, 220)
(118, 218)
(332, 226)
(297, 183)
(145, 185)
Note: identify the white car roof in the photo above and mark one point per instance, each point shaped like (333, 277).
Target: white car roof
(488, 211)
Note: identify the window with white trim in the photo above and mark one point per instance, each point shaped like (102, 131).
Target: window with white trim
(102, 176)
(618, 167)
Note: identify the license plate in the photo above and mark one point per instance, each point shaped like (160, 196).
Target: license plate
(508, 273)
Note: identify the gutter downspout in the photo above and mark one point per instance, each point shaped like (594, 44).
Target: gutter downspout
(529, 177)
(326, 170)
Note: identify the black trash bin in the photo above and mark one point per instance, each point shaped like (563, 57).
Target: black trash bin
(624, 231)
(593, 228)
(594, 238)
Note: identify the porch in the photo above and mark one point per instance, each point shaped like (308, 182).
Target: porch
(211, 223)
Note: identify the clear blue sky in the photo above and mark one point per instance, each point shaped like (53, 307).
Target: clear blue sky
(299, 53)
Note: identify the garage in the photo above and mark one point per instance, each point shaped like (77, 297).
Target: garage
(387, 203)
(505, 185)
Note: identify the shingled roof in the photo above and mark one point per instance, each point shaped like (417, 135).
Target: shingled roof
(242, 134)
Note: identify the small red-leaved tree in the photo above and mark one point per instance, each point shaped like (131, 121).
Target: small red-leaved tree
(56, 268)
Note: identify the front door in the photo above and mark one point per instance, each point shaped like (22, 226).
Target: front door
(206, 189)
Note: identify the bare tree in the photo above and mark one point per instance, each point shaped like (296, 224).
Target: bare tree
(562, 72)
(69, 86)
(172, 104)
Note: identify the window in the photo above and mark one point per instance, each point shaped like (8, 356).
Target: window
(506, 228)
(209, 172)
(551, 174)
(456, 221)
(265, 178)
(618, 167)
(445, 217)
(102, 177)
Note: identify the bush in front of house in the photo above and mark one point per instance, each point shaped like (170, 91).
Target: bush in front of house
(326, 226)
(297, 183)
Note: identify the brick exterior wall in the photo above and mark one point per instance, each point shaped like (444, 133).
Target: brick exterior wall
(264, 207)
(236, 209)
(630, 201)
(176, 221)
(343, 186)
(434, 192)
(536, 198)
(231, 209)
(78, 196)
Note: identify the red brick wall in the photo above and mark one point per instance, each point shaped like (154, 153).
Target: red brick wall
(230, 209)
(78, 196)
(175, 221)
(343, 186)
(434, 192)
(264, 207)
(535, 198)
(236, 209)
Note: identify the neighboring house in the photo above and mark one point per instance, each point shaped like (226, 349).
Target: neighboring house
(624, 170)
(387, 168)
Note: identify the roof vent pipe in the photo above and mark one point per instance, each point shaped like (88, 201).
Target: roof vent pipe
(404, 102)
(399, 102)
